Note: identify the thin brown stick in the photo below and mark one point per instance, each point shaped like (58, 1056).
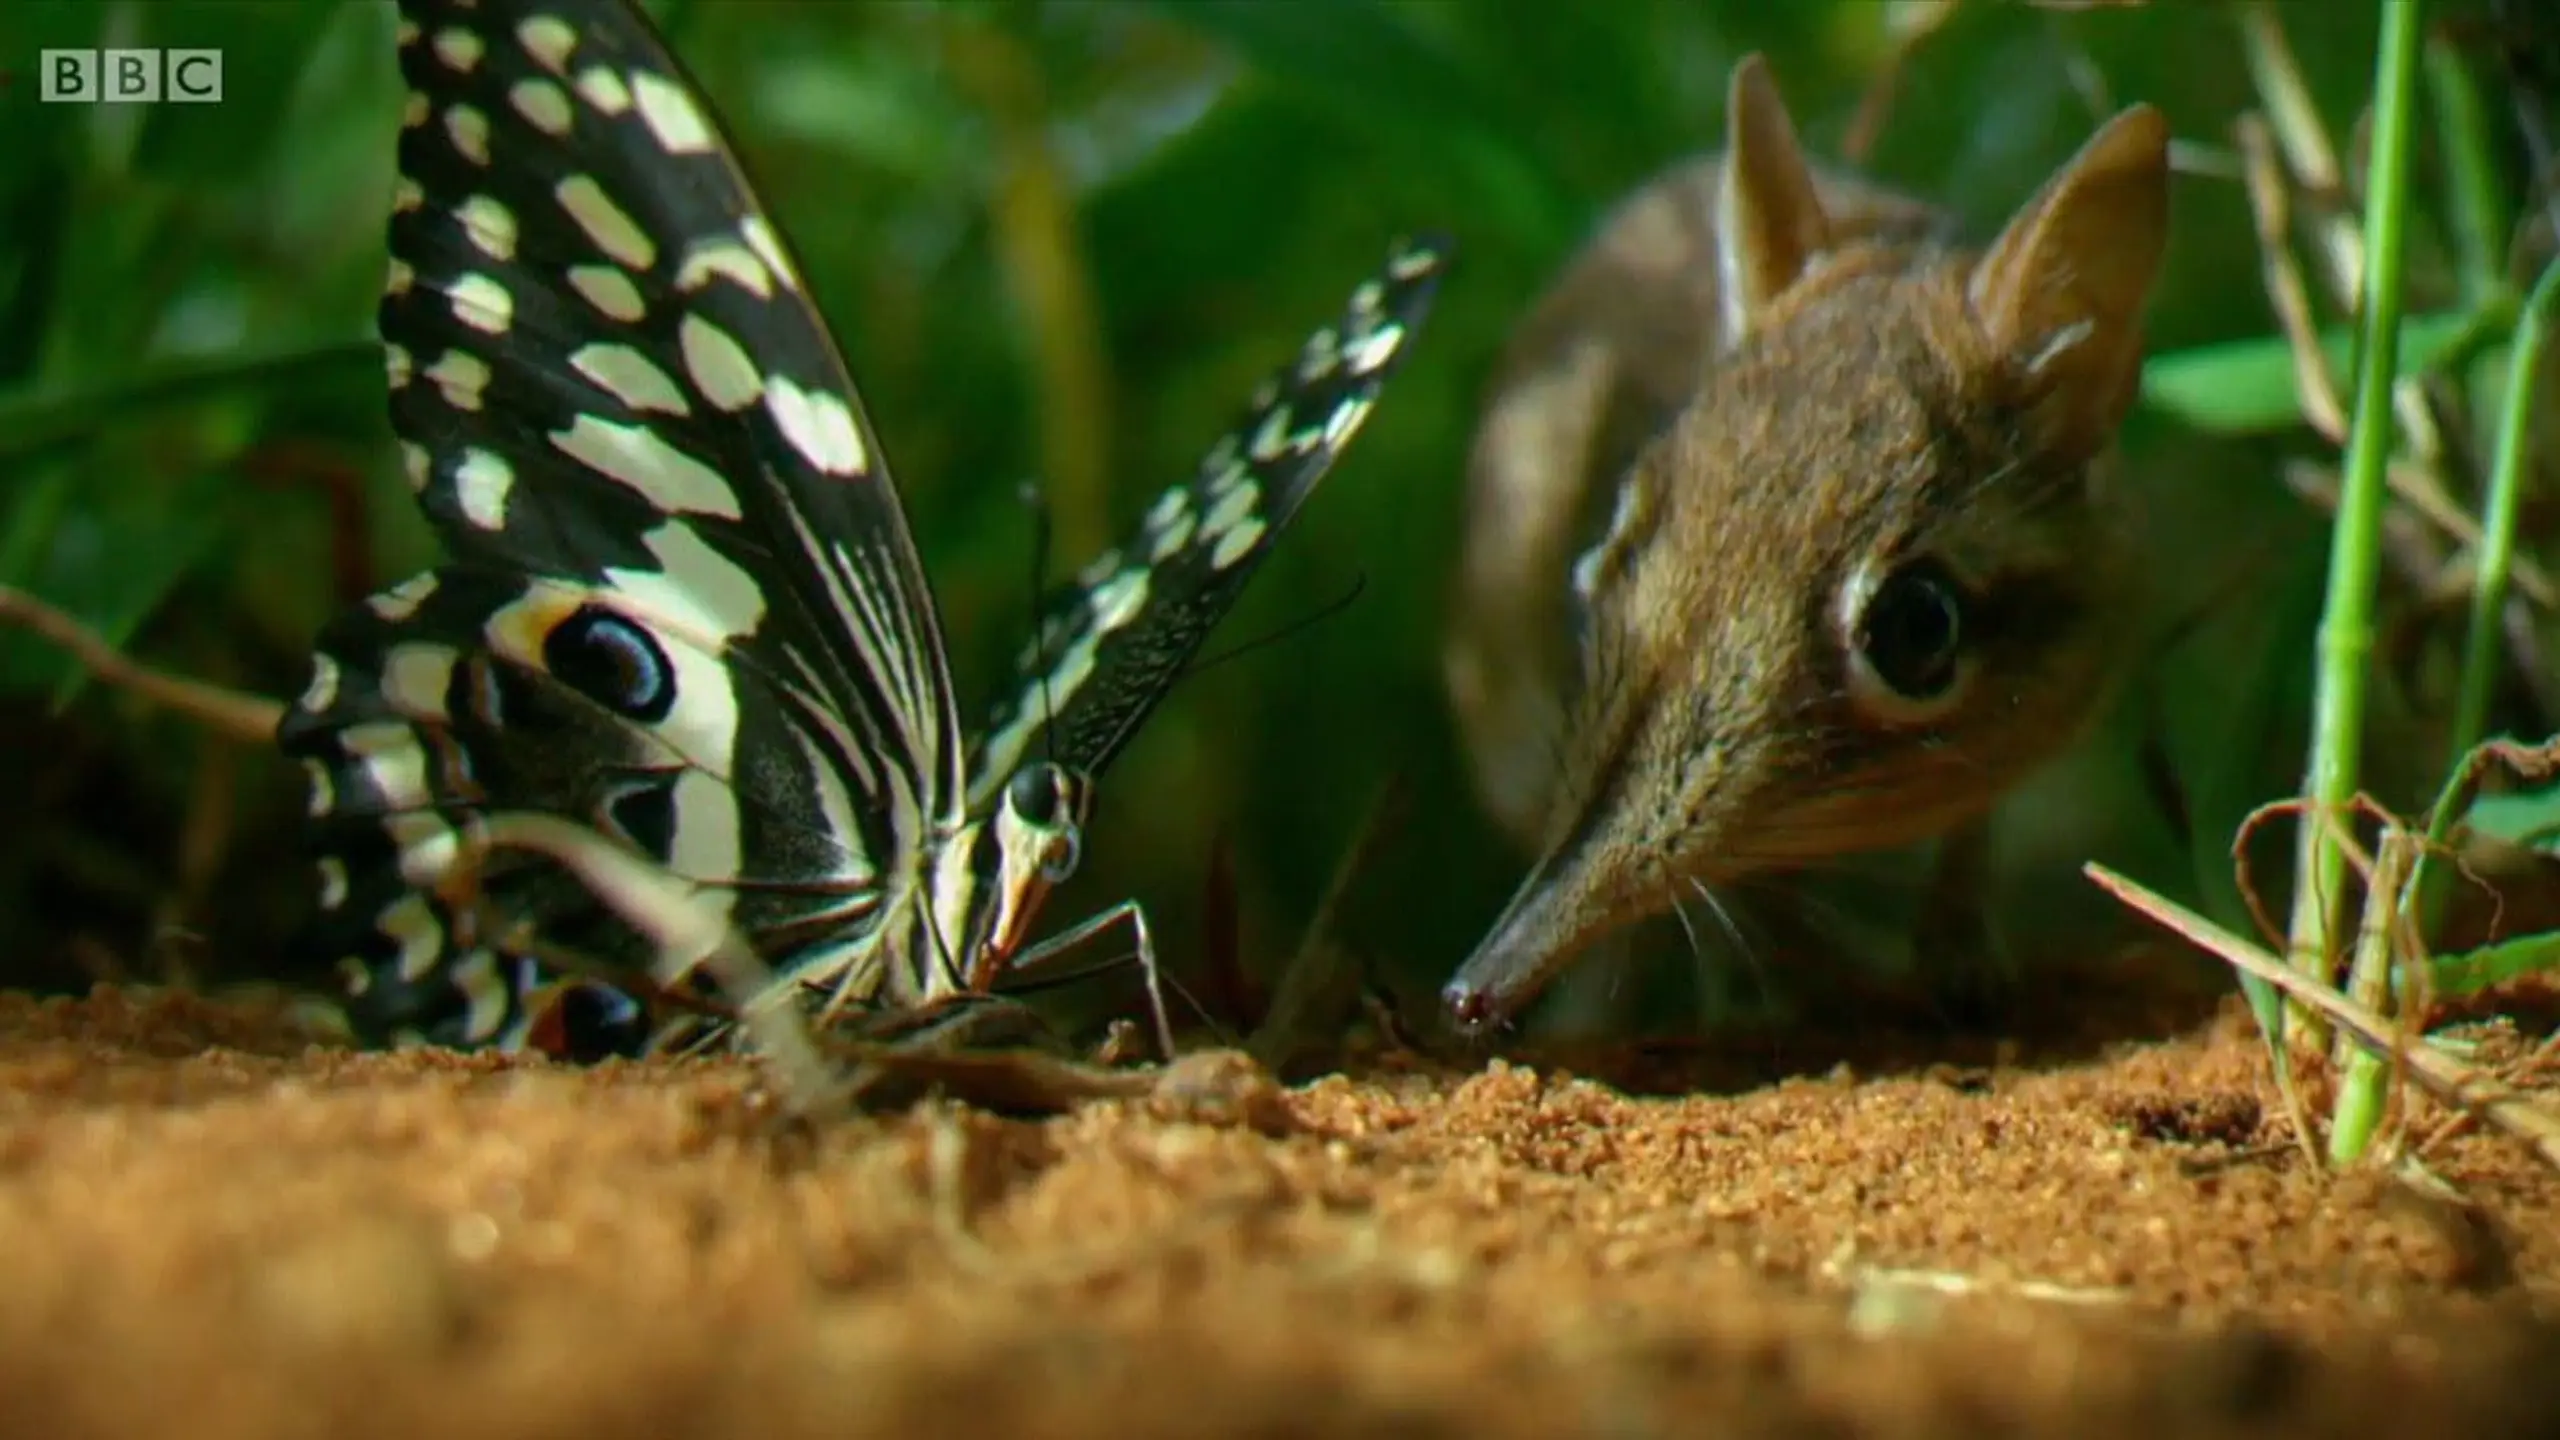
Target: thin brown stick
(2448, 1079)
(2286, 100)
(2271, 208)
(249, 719)
(1907, 26)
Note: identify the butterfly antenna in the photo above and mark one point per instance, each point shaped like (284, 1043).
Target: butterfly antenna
(1038, 505)
(1324, 612)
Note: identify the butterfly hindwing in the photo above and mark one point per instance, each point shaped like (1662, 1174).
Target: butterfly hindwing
(1114, 638)
(466, 689)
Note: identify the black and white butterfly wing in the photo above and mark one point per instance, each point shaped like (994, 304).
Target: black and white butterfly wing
(1113, 639)
(683, 604)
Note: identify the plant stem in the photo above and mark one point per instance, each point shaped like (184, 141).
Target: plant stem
(2498, 511)
(2477, 209)
(2355, 549)
(2490, 567)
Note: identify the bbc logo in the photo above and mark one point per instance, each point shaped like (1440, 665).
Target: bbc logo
(145, 77)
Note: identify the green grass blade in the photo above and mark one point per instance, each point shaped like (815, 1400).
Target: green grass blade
(2355, 554)
(2247, 387)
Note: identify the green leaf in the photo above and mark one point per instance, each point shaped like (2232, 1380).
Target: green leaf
(2490, 966)
(2527, 818)
(32, 423)
(2246, 387)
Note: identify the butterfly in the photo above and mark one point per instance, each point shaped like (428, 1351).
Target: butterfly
(682, 629)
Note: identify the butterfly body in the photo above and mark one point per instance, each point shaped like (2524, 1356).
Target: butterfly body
(682, 607)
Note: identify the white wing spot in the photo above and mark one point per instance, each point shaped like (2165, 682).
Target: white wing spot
(1171, 538)
(460, 50)
(719, 257)
(604, 90)
(1098, 569)
(706, 845)
(396, 362)
(1273, 437)
(468, 129)
(630, 377)
(671, 115)
(610, 290)
(413, 111)
(406, 196)
(1413, 264)
(1117, 603)
(482, 303)
(637, 456)
(768, 247)
(397, 277)
(1346, 418)
(485, 993)
(462, 376)
(402, 600)
(412, 926)
(395, 764)
(818, 425)
(428, 847)
(1232, 509)
(416, 463)
(702, 590)
(324, 791)
(719, 365)
(544, 106)
(1372, 351)
(406, 33)
(333, 882)
(491, 226)
(416, 676)
(548, 39)
(1236, 542)
(1322, 350)
(611, 231)
(481, 485)
(322, 692)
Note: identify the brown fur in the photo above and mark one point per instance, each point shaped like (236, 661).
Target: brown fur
(1803, 387)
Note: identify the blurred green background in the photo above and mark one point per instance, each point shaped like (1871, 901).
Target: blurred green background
(1058, 242)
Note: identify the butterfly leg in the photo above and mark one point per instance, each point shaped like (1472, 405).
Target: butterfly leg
(1088, 928)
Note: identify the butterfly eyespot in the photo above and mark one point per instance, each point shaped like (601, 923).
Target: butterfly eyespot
(585, 1022)
(605, 657)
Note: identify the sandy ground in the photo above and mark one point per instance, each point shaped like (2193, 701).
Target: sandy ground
(216, 1229)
